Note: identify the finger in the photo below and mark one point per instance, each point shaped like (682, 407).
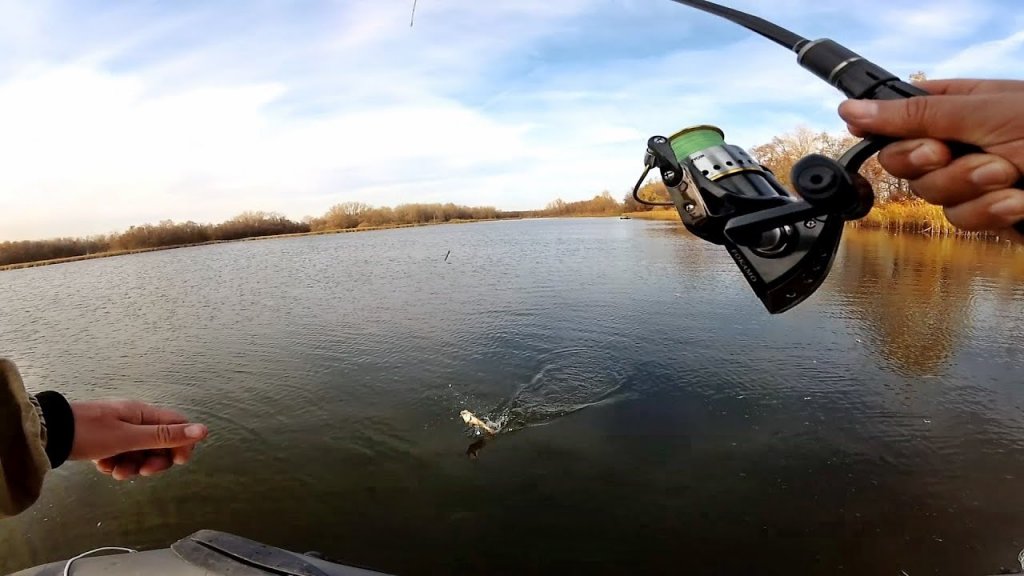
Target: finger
(157, 415)
(162, 436)
(994, 211)
(105, 465)
(136, 412)
(965, 179)
(856, 131)
(156, 462)
(969, 86)
(938, 117)
(182, 454)
(127, 466)
(912, 159)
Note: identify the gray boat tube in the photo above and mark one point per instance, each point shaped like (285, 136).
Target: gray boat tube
(206, 552)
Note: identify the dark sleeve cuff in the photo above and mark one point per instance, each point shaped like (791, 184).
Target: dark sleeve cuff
(60, 426)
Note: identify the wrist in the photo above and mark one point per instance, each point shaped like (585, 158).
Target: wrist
(59, 420)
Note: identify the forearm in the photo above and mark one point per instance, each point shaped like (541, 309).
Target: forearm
(36, 434)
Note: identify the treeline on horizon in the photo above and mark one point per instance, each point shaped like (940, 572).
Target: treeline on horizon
(252, 224)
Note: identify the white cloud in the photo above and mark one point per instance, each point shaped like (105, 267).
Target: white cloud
(92, 144)
(942, 19)
(1003, 58)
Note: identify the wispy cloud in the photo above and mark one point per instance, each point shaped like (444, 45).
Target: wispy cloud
(999, 58)
(114, 114)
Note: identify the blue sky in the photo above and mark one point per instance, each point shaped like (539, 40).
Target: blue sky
(118, 113)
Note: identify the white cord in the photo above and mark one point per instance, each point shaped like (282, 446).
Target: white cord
(67, 567)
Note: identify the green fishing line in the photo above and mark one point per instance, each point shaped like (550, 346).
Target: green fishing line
(694, 139)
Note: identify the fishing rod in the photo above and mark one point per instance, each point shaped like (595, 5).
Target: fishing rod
(783, 243)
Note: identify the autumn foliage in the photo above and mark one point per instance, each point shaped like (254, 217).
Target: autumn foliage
(358, 215)
(601, 205)
(896, 206)
(245, 225)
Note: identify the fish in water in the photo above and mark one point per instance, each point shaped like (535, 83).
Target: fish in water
(471, 419)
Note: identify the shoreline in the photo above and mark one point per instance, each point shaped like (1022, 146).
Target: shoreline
(666, 215)
(111, 254)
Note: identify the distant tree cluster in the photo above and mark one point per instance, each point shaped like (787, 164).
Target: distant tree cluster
(169, 233)
(652, 191)
(166, 233)
(784, 151)
(252, 224)
(35, 250)
(358, 215)
(601, 205)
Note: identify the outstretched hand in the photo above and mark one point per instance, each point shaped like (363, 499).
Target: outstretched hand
(978, 191)
(125, 438)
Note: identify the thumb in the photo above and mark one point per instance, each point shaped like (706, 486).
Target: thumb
(950, 118)
(163, 436)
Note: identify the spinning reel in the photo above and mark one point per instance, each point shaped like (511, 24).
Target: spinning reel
(783, 243)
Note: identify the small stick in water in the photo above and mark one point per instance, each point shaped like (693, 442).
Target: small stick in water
(447, 255)
(469, 418)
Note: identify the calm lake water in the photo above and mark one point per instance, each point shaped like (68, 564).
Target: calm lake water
(658, 420)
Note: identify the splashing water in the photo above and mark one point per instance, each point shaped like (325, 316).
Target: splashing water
(569, 380)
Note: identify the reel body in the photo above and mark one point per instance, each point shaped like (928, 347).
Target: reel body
(783, 242)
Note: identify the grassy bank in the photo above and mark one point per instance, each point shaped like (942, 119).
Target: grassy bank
(656, 215)
(112, 253)
(912, 217)
(915, 217)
